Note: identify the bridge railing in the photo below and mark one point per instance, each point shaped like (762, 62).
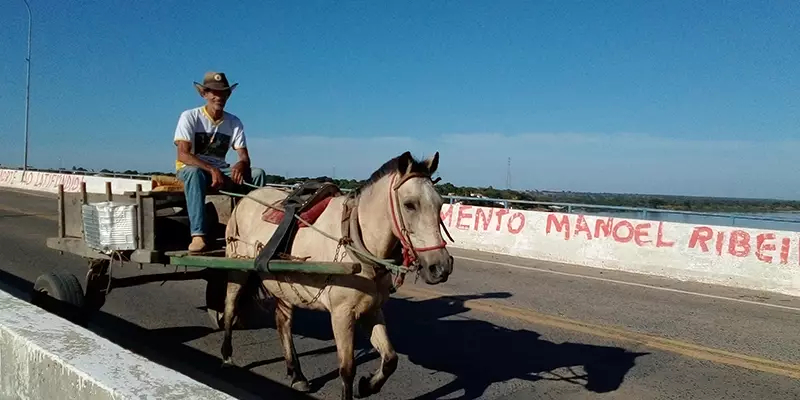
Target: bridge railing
(644, 213)
(87, 173)
(731, 219)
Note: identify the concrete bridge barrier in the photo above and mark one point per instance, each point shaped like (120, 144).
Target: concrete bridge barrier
(756, 259)
(43, 356)
(724, 255)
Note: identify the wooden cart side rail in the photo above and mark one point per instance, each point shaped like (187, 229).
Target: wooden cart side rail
(78, 247)
(248, 264)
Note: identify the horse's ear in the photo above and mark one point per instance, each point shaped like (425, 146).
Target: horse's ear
(404, 162)
(432, 163)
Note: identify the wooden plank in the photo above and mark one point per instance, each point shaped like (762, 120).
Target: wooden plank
(248, 264)
(75, 246)
(139, 218)
(62, 224)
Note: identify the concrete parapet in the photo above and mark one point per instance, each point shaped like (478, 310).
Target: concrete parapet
(43, 356)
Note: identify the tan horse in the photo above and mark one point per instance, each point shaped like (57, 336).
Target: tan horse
(395, 215)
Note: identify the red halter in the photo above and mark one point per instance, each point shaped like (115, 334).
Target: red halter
(410, 253)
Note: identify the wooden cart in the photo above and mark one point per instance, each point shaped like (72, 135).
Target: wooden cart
(162, 235)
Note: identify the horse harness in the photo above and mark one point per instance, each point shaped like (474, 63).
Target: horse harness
(307, 194)
(351, 231)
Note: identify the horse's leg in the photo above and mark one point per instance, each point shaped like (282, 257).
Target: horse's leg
(375, 325)
(283, 321)
(343, 322)
(236, 280)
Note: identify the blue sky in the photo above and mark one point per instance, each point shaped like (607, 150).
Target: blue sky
(675, 97)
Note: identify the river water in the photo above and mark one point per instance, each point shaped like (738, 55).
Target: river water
(782, 221)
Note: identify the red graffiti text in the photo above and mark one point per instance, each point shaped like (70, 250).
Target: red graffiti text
(622, 231)
(483, 219)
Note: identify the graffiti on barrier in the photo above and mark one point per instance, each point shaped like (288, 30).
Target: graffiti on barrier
(621, 230)
(766, 247)
(7, 176)
(483, 219)
(41, 180)
(740, 243)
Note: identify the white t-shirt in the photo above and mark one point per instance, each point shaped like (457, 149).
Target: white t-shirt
(210, 140)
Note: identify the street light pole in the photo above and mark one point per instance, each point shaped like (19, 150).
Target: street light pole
(27, 90)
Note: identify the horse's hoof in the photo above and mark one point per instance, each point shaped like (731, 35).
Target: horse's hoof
(363, 389)
(227, 363)
(301, 386)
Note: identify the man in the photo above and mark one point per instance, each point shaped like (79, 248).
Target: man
(203, 136)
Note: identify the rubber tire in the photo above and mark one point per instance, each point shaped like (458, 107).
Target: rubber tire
(62, 286)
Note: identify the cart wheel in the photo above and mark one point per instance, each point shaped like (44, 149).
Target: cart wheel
(65, 289)
(61, 286)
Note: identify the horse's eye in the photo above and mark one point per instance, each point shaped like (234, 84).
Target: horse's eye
(410, 206)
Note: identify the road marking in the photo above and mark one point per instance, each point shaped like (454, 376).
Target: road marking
(46, 195)
(674, 346)
(711, 296)
(609, 332)
(509, 265)
(26, 213)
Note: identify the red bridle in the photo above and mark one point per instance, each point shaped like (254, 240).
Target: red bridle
(410, 253)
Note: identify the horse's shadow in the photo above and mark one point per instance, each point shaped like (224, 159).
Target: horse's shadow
(477, 353)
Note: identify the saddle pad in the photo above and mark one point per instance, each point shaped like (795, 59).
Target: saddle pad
(310, 214)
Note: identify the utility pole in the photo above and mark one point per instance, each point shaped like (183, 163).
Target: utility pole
(508, 175)
(27, 90)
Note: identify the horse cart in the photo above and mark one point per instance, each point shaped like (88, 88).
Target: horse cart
(150, 227)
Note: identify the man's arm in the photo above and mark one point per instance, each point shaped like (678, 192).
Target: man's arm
(239, 144)
(244, 156)
(185, 156)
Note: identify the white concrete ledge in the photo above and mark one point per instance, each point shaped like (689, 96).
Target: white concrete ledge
(43, 356)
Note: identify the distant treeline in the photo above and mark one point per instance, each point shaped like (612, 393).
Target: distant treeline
(663, 202)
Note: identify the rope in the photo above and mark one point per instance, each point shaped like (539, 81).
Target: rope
(390, 266)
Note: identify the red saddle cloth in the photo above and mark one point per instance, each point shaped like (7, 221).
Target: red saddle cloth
(310, 214)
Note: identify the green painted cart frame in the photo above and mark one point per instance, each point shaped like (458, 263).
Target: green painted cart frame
(162, 235)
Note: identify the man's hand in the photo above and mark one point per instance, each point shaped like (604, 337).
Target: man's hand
(217, 178)
(237, 172)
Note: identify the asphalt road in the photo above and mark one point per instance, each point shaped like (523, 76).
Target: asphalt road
(501, 328)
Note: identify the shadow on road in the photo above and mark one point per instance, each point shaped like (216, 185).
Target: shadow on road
(429, 332)
(477, 353)
(166, 350)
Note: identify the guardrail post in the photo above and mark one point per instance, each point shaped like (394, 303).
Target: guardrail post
(109, 196)
(569, 209)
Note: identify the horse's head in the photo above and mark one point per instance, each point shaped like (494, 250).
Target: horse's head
(415, 211)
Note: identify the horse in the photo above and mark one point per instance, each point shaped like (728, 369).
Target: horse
(394, 216)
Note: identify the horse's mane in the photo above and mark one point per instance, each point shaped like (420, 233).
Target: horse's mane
(390, 167)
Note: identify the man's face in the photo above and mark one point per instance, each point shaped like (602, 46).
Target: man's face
(216, 98)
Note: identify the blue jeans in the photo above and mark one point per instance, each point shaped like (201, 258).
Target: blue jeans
(195, 184)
